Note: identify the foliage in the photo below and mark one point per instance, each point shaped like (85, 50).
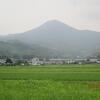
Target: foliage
(9, 61)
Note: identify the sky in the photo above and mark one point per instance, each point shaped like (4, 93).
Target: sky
(18, 16)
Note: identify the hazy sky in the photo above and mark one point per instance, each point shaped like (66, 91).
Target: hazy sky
(21, 15)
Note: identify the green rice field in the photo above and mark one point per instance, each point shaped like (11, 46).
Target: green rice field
(50, 82)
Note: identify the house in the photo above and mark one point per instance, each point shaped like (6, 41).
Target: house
(98, 61)
(80, 61)
(70, 61)
(2, 61)
(37, 61)
(93, 60)
(56, 61)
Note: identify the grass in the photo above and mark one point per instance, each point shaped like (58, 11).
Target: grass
(52, 82)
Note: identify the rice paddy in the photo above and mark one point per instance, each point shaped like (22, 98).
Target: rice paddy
(50, 82)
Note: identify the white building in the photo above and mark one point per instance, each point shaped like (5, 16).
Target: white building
(36, 61)
(93, 60)
(2, 61)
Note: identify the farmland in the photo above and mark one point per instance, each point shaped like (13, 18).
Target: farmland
(50, 82)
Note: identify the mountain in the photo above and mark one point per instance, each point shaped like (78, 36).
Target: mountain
(15, 49)
(61, 38)
(10, 48)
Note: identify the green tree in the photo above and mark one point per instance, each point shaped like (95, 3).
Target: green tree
(9, 61)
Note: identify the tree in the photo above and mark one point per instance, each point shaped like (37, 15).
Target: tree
(9, 61)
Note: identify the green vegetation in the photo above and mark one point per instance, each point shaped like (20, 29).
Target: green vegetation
(51, 82)
(14, 48)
